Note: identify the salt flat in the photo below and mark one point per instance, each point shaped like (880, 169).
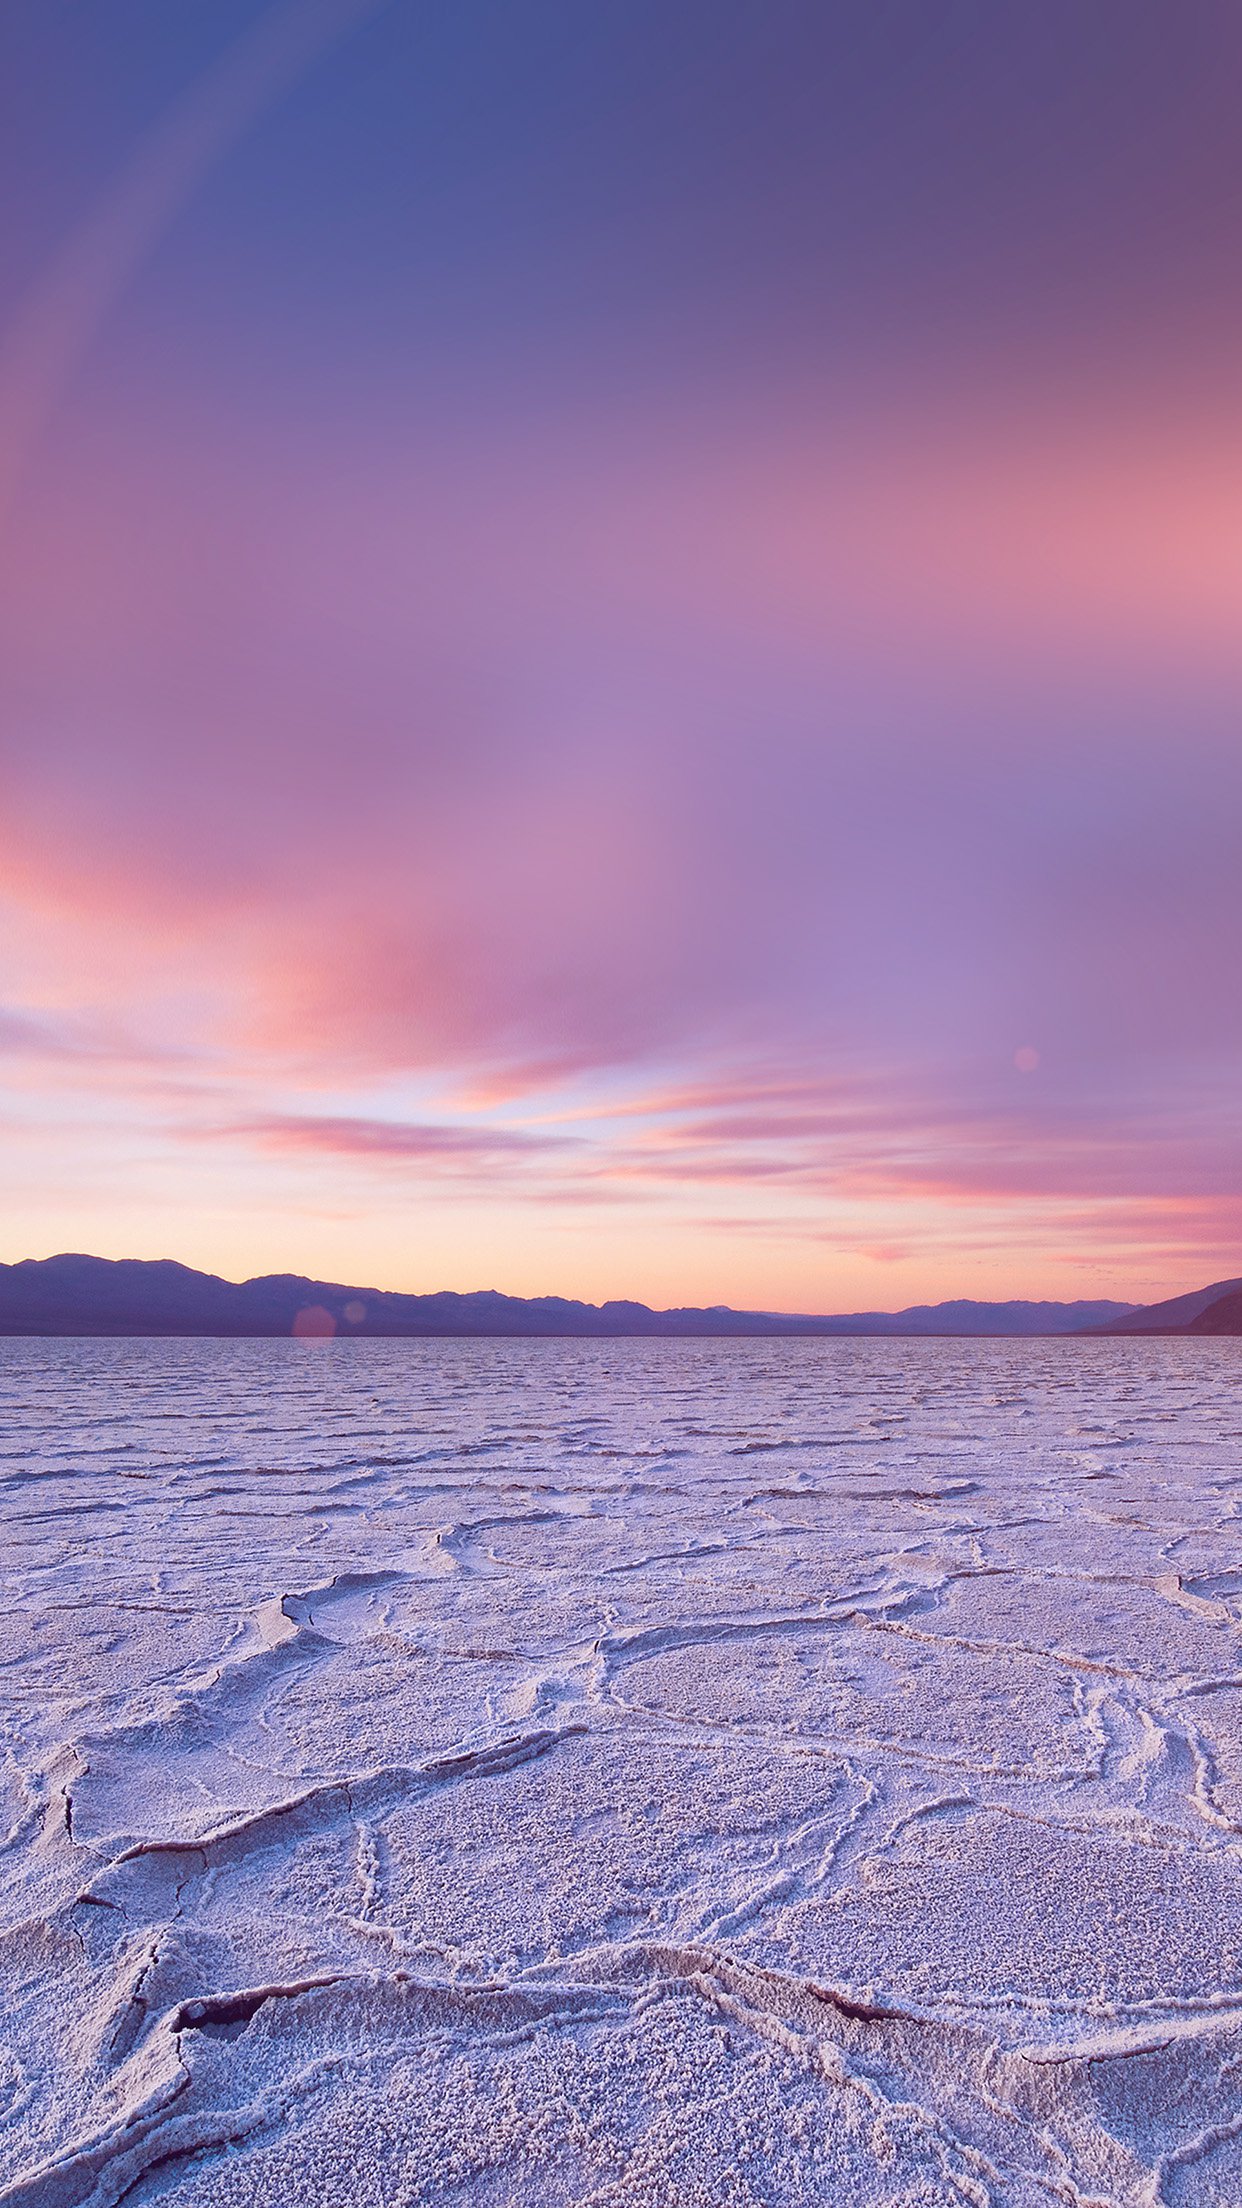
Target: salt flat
(622, 1773)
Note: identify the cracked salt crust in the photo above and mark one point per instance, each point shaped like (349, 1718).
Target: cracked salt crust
(621, 1773)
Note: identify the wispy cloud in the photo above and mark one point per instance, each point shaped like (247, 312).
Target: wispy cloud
(476, 1150)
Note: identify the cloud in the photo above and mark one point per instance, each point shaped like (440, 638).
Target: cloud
(477, 1150)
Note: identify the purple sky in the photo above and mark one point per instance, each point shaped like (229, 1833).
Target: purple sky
(621, 644)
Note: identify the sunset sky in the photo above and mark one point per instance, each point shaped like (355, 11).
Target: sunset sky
(621, 643)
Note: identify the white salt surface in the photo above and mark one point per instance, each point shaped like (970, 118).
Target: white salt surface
(621, 1773)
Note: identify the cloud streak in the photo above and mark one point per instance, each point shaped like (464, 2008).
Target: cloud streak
(51, 332)
(479, 1150)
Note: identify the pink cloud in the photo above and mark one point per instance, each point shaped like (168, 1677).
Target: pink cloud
(477, 1149)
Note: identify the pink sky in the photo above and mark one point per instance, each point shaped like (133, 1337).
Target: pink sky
(719, 793)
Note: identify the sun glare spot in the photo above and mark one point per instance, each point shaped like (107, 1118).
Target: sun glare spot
(314, 1323)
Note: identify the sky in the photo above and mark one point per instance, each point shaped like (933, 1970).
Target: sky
(621, 644)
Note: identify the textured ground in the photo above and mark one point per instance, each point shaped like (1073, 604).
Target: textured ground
(621, 1773)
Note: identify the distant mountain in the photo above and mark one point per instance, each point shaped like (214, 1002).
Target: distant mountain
(1222, 1317)
(965, 1317)
(1189, 1314)
(97, 1295)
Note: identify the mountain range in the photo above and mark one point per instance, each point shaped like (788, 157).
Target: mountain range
(95, 1295)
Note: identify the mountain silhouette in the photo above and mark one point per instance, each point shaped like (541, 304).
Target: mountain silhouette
(94, 1295)
(1222, 1317)
(1214, 1310)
